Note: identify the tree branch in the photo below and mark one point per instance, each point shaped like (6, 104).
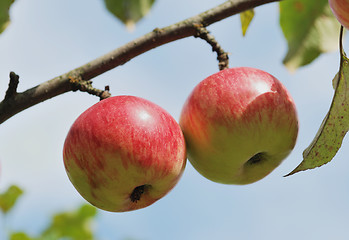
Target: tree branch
(62, 84)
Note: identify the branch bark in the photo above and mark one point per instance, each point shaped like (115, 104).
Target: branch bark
(62, 84)
(12, 86)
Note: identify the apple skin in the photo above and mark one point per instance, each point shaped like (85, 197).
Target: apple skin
(124, 153)
(340, 9)
(239, 124)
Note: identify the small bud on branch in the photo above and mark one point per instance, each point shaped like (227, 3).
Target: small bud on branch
(12, 86)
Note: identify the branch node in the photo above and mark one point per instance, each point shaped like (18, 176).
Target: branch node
(12, 86)
(86, 86)
(222, 56)
(105, 94)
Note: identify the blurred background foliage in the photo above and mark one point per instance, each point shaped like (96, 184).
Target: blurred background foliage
(76, 224)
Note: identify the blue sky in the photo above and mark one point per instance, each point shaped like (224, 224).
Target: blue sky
(48, 38)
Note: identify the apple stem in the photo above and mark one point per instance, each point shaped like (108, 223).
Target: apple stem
(222, 56)
(137, 193)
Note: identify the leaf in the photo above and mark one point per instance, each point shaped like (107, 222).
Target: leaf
(246, 18)
(9, 198)
(4, 14)
(72, 225)
(20, 236)
(129, 11)
(334, 127)
(310, 29)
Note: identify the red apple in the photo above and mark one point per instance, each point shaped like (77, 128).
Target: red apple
(124, 153)
(340, 9)
(239, 124)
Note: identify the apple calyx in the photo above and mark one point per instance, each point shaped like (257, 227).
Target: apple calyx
(138, 192)
(257, 158)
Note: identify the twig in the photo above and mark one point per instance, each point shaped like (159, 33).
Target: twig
(12, 86)
(222, 56)
(86, 86)
(156, 38)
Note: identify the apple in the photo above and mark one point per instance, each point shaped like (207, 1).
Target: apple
(124, 153)
(239, 124)
(340, 9)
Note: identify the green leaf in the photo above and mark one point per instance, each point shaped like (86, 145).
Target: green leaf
(334, 127)
(9, 198)
(310, 29)
(4, 14)
(72, 225)
(129, 11)
(246, 18)
(20, 236)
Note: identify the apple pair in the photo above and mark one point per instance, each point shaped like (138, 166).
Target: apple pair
(124, 153)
